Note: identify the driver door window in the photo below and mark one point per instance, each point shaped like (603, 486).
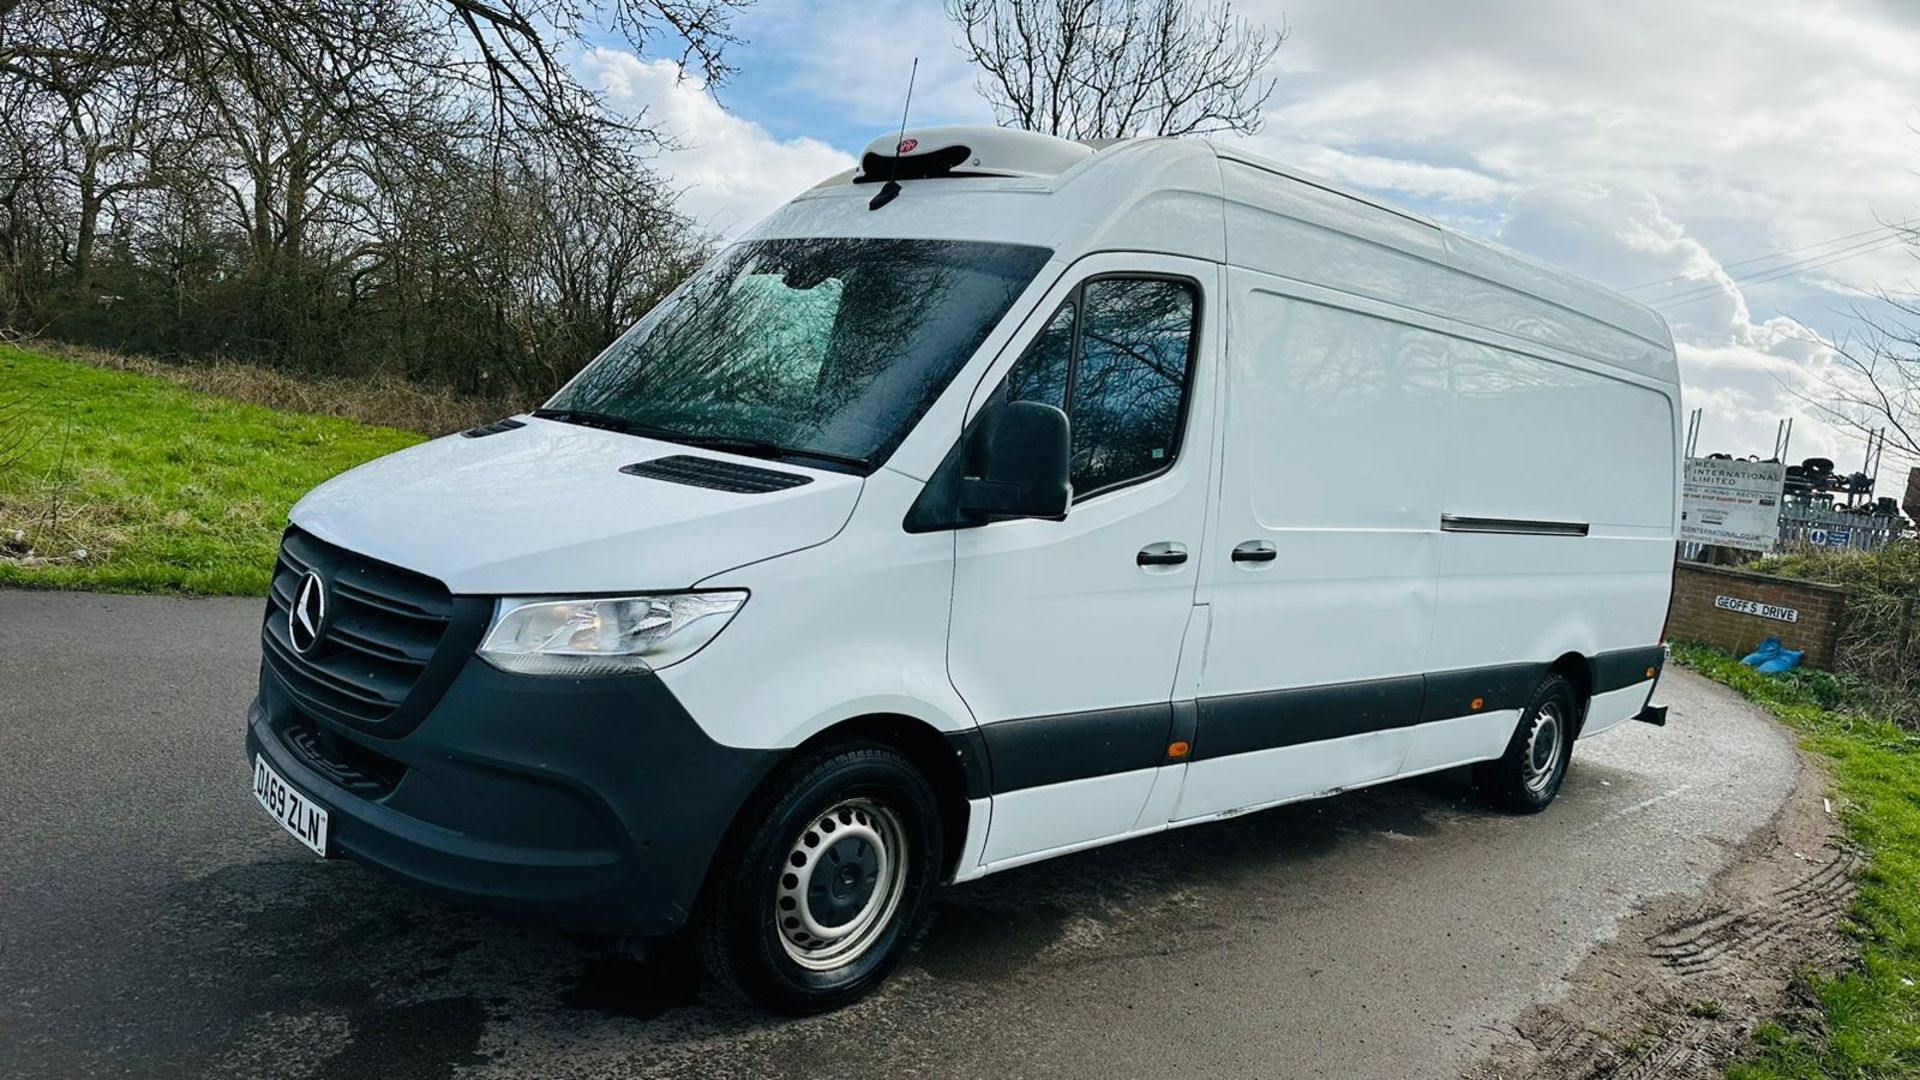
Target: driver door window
(1115, 357)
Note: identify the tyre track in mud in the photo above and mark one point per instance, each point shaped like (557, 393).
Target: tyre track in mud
(1677, 994)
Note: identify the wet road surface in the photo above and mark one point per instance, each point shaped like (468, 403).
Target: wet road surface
(154, 922)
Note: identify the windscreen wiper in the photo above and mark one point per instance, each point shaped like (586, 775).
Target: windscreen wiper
(761, 448)
(585, 418)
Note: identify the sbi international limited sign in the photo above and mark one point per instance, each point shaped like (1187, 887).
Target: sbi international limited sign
(1732, 503)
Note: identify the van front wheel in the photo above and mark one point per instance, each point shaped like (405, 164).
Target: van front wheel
(1527, 777)
(822, 885)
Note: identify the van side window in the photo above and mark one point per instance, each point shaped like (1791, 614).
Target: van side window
(1115, 359)
(1041, 373)
(1130, 380)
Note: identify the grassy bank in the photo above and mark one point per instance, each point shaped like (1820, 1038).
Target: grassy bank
(382, 401)
(1872, 1014)
(130, 483)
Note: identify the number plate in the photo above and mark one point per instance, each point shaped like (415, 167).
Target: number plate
(299, 815)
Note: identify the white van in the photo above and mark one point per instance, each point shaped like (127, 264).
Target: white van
(1049, 498)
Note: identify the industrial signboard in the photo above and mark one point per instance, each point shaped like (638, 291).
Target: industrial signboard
(1732, 503)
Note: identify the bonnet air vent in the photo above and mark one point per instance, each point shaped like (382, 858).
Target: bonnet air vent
(717, 475)
(494, 428)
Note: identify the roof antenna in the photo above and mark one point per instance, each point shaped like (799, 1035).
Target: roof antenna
(891, 189)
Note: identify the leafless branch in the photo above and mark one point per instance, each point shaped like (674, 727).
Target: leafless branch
(1108, 69)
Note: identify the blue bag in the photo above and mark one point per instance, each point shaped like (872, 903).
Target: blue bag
(1768, 649)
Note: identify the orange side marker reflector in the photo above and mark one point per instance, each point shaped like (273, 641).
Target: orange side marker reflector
(1179, 749)
(1651, 672)
(1479, 703)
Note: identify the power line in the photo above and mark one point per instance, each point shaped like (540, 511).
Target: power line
(1710, 288)
(1762, 278)
(1774, 273)
(1902, 227)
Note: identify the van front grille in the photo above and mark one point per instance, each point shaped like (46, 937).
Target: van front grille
(381, 630)
(343, 761)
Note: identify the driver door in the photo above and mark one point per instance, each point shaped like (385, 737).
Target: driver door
(1066, 635)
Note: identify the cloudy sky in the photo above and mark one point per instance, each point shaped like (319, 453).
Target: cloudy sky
(1633, 142)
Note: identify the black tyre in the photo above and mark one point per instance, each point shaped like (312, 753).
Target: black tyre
(822, 884)
(1527, 777)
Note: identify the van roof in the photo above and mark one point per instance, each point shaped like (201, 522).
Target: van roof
(993, 158)
(982, 150)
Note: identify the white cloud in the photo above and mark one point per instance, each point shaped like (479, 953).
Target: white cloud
(1746, 373)
(1632, 142)
(1635, 142)
(855, 55)
(732, 170)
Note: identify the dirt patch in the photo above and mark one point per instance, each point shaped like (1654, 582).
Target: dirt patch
(1679, 992)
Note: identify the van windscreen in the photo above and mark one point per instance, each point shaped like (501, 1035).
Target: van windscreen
(827, 350)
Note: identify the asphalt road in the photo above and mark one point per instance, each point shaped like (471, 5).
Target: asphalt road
(154, 922)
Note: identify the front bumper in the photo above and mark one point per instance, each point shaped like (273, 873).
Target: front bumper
(591, 803)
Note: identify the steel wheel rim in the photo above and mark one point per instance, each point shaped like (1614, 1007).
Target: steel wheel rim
(1543, 749)
(840, 884)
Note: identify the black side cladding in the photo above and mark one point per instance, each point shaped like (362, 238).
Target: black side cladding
(1035, 751)
(1626, 667)
(1041, 750)
(1507, 686)
(1243, 723)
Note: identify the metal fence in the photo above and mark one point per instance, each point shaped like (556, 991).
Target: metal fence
(1807, 523)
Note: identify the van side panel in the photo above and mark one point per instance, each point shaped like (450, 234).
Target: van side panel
(1331, 417)
(1534, 441)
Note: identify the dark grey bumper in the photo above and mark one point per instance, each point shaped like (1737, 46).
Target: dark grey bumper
(592, 803)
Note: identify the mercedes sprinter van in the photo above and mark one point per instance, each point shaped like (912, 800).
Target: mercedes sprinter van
(1000, 498)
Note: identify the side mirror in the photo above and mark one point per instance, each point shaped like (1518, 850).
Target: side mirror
(1019, 464)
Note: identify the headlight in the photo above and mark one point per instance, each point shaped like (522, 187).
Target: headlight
(612, 636)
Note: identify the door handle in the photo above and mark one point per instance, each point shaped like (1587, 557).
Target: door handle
(1255, 551)
(1161, 554)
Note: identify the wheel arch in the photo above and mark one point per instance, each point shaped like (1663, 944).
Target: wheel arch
(929, 750)
(1578, 671)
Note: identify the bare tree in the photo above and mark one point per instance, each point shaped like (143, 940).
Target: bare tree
(509, 50)
(1874, 380)
(412, 187)
(1110, 69)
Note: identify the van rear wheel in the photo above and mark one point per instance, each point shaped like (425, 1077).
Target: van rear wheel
(821, 886)
(1526, 778)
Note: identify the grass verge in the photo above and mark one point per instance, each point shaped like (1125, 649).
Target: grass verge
(127, 483)
(380, 400)
(1872, 1013)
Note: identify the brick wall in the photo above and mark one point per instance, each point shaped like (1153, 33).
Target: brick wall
(1695, 617)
